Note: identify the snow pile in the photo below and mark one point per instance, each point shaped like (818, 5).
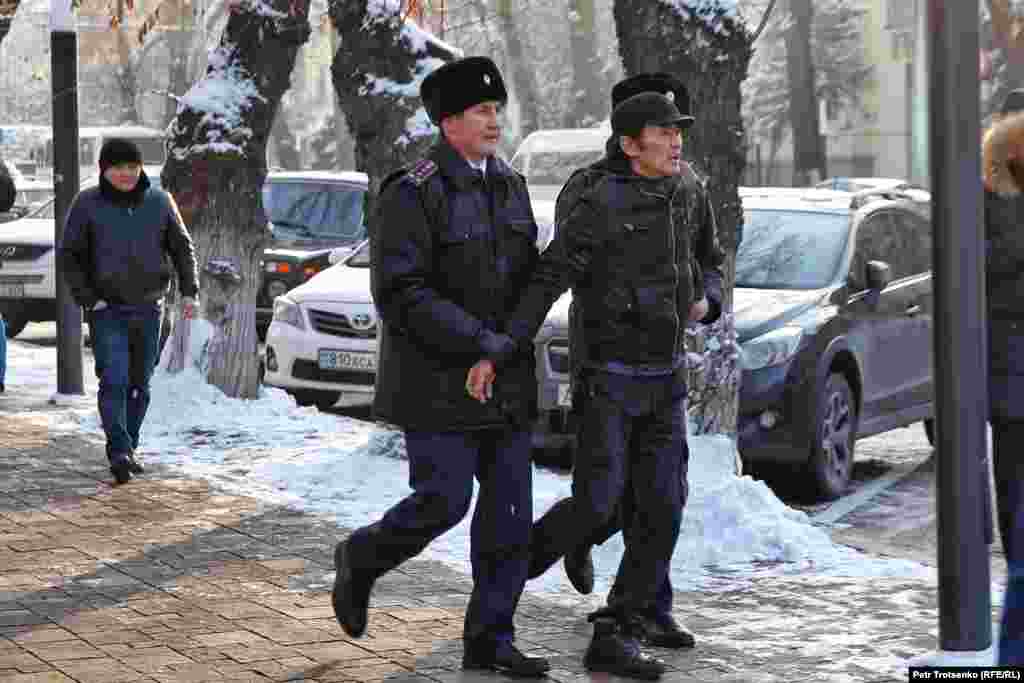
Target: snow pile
(734, 528)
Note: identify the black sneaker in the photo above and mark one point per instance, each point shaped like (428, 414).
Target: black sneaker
(503, 657)
(120, 467)
(663, 631)
(614, 652)
(351, 595)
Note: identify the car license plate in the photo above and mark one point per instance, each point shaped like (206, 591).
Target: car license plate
(15, 291)
(347, 360)
(565, 395)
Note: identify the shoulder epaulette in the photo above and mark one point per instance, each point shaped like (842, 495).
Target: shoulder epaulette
(421, 171)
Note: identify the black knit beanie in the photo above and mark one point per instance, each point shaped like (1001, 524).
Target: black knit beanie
(119, 151)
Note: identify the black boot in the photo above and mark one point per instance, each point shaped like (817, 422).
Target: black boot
(614, 650)
(661, 630)
(579, 567)
(351, 595)
(503, 657)
(120, 467)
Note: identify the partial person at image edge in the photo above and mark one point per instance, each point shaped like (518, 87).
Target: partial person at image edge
(8, 193)
(123, 242)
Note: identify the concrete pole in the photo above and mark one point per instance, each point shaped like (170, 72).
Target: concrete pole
(64, 73)
(964, 522)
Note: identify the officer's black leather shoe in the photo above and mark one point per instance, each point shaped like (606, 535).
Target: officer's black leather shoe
(503, 657)
(614, 652)
(579, 567)
(120, 467)
(135, 465)
(663, 631)
(351, 595)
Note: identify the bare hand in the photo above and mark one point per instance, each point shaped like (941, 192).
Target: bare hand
(699, 310)
(188, 308)
(480, 381)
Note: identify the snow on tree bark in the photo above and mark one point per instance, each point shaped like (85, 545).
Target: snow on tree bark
(216, 166)
(587, 105)
(377, 71)
(707, 46)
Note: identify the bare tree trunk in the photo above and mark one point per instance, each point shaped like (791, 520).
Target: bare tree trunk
(177, 78)
(377, 72)
(216, 167)
(710, 54)
(587, 104)
(523, 82)
(808, 145)
(126, 80)
(284, 143)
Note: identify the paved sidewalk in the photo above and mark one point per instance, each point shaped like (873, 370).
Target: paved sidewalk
(165, 579)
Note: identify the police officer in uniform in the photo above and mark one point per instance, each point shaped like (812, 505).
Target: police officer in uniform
(627, 250)
(453, 245)
(659, 627)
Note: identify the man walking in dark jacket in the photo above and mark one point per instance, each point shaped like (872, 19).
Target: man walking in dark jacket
(453, 243)
(627, 250)
(658, 627)
(121, 241)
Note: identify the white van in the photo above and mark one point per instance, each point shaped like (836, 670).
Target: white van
(548, 157)
(150, 141)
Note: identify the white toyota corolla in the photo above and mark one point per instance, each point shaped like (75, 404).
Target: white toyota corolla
(322, 341)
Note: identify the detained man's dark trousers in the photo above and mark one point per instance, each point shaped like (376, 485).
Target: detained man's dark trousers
(442, 466)
(126, 347)
(632, 435)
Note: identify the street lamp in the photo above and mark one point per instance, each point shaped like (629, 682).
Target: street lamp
(64, 75)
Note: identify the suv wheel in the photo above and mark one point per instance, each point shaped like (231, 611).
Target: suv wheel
(312, 397)
(15, 324)
(831, 461)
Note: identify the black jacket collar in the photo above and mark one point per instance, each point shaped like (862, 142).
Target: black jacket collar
(133, 198)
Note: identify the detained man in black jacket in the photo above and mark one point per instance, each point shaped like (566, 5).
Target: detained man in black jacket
(660, 628)
(626, 249)
(123, 241)
(453, 242)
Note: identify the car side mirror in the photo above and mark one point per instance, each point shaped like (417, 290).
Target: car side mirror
(879, 275)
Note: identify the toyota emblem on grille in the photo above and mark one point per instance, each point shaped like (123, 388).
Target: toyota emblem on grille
(8, 252)
(362, 322)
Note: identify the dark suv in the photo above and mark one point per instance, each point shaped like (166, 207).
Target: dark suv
(833, 306)
(316, 218)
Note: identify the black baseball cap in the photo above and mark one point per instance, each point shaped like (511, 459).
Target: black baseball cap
(647, 109)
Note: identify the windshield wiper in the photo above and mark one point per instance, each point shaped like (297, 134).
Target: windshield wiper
(298, 227)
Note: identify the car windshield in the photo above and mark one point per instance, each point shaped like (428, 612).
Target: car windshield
(315, 210)
(789, 249)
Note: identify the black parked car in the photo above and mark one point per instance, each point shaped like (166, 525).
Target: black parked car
(833, 305)
(316, 218)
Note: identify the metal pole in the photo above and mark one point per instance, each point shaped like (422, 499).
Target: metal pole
(965, 617)
(64, 70)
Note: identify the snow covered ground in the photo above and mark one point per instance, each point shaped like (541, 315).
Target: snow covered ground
(352, 471)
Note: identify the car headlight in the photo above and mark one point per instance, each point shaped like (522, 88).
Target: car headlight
(773, 348)
(276, 288)
(288, 312)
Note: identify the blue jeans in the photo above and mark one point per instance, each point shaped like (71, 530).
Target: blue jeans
(442, 466)
(3, 349)
(125, 343)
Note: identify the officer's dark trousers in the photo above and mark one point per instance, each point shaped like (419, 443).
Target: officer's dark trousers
(632, 434)
(442, 466)
(1008, 452)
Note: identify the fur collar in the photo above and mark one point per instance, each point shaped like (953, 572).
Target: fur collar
(1002, 149)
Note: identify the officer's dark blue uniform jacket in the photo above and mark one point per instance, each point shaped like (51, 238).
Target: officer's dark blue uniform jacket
(450, 255)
